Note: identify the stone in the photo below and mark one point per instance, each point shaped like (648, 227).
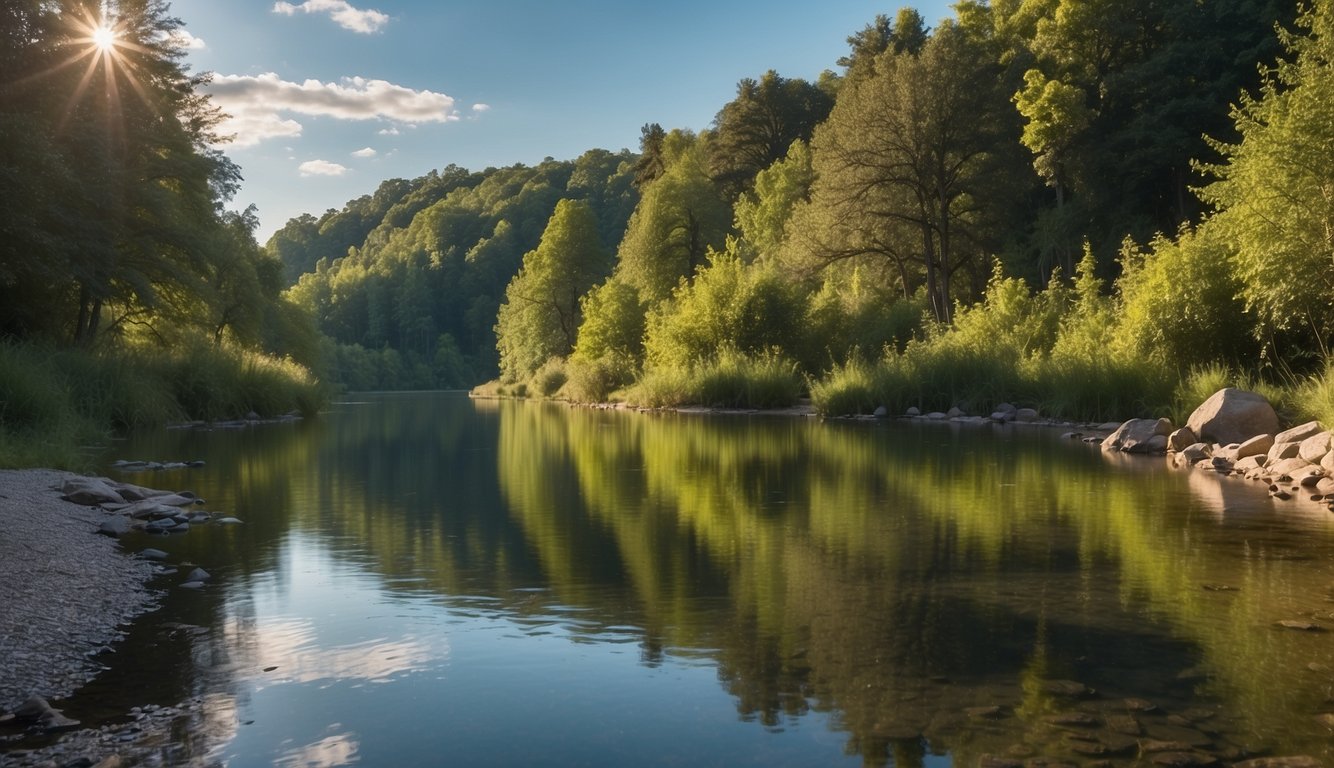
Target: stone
(1181, 439)
(1250, 464)
(199, 574)
(1069, 688)
(937, 416)
(1286, 467)
(1292, 761)
(1183, 759)
(1299, 433)
(114, 526)
(1232, 416)
(132, 492)
(1315, 448)
(192, 585)
(55, 721)
(1026, 415)
(1002, 416)
(913, 411)
(1282, 451)
(227, 521)
(32, 708)
(1298, 624)
(111, 761)
(955, 412)
(881, 412)
(985, 713)
(152, 554)
(1328, 462)
(1256, 446)
(1006, 408)
(1196, 452)
(90, 491)
(1134, 436)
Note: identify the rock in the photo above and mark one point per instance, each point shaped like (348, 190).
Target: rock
(90, 491)
(1026, 415)
(1286, 467)
(1125, 725)
(1181, 439)
(936, 416)
(112, 761)
(985, 713)
(1282, 451)
(1328, 462)
(1256, 446)
(132, 492)
(114, 526)
(227, 521)
(32, 709)
(1183, 759)
(1196, 452)
(252, 416)
(55, 721)
(1140, 705)
(1232, 416)
(1250, 463)
(955, 412)
(1304, 626)
(1080, 719)
(1299, 433)
(152, 554)
(1315, 448)
(1006, 408)
(199, 574)
(881, 412)
(1137, 436)
(192, 585)
(913, 411)
(1002, 416)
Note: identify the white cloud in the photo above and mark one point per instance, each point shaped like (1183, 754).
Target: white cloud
(257, 104)
(481, 107)
(321, 168)
(181, 38)
(365, 152)
(390, 131)
(342, 12)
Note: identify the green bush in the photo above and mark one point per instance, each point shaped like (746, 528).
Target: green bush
(730, 380)
(549, 378)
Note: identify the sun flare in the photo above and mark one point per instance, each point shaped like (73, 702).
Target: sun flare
(104, 38)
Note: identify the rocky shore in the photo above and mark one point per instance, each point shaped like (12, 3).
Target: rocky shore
(66, 590)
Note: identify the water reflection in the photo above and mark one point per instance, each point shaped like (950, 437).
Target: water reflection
(589, 586)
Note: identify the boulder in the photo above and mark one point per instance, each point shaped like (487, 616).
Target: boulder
(1287, 467)
(1181, 439)
(90, 491)
(936, 416)
(1249, 464)
(1256, 446)
(132, 492)
(1196, 452)
(1284, 450)
(114, 526)
(1005, 408)
(1232, 416)
(1299, 433)
(1315, 447)
(1328, 462)
(881, 412)
(955, 412)
(913, 411)
(1002, 416)
(1026, 415)
(1137, 436)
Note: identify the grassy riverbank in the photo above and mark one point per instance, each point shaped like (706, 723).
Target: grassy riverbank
(56, 403)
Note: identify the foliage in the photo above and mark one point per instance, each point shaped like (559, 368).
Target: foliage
(612, 334)
(56, 400)
(755, 130)
(1180, 302)
(729, 305)
(542, 311)
(762, 214)
(731, 379)
(1275, 188)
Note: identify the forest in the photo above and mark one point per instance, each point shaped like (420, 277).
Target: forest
(1100, 209)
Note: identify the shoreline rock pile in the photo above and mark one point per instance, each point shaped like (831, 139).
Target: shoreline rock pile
(1236, 432)
(134, 507)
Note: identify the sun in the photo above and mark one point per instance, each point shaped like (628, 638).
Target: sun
(104, 38)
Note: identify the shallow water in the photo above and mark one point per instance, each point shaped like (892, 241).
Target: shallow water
(424, 580)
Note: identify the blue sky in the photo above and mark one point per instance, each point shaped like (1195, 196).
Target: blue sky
(333, 96)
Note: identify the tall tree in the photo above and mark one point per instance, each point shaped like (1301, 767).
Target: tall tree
(1275, 189)
(541, 314)
(910, 161)
(755, 130)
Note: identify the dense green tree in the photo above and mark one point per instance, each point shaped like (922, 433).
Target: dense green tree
(1275, 188)
(908, 163)
(762, 214)
(541, 315)
(756, 128)
(680, 216)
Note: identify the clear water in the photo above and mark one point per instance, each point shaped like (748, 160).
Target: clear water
(426, 580)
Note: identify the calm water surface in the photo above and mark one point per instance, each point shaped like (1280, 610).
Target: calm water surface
(426, 580)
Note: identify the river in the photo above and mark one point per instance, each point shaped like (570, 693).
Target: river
(422, 579)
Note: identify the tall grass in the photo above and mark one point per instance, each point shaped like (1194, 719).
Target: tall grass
(55, 400)
(730, 380)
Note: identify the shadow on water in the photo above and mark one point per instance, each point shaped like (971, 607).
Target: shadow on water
(789, 591)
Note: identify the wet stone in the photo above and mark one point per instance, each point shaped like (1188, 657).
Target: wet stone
(1140, 705)
(985, 713)
(1079, 719)
(1293, 761)
(1123, 724)
(1298, 624)
(1068, 688)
